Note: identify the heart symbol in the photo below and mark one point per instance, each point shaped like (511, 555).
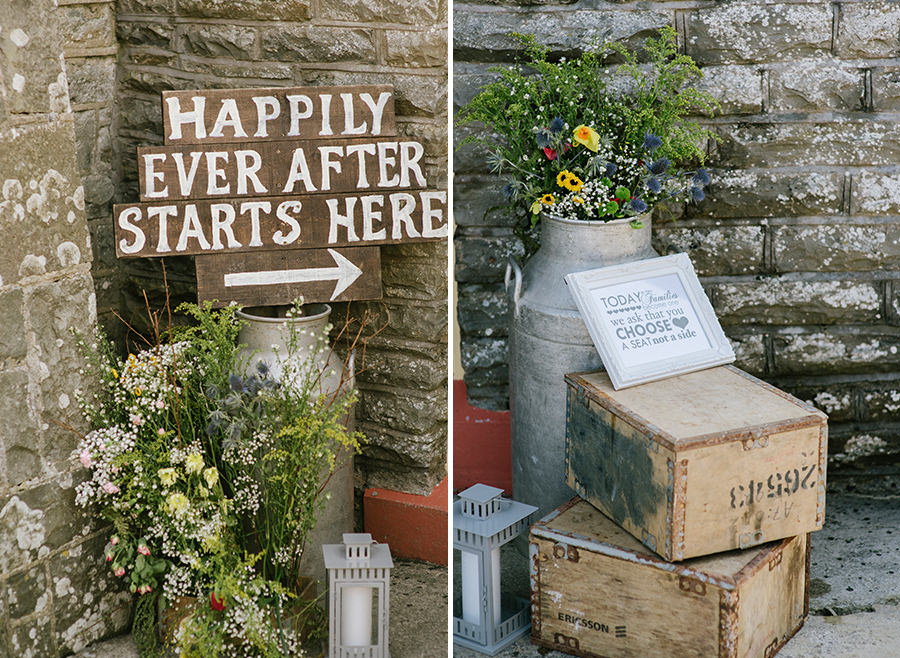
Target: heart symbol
(681, 322)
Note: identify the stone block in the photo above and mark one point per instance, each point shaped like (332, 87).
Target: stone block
(750, 32)
(405, 363)
(19, 427)
(838, 400)
(89, 602)
(88, 26)
(714, 250)
(432, 134)
(886, 88)
(27, 592)
(781, 301)
(868, 30)
(273, 10)
(875, 193)
(749, 350)
(85, 138)
(738, 89)
(413, 319)
(225, 74)
(767, 193)
(150, 82)
(406, 12)
(413, 412)
(837, 247)
(483, 310)
(855, 142)
(416, 48)
(399, 449)
(815, 85)
(12, 335)
(881, 401)
(26, 642)
(469, 78)
(41, 200)
(144, 33)
(91, 79)
(478, 201)
(485, 360)
(307, 43)
(484, 33)
(145, 6)
(495, 398)
(216, 40)
(836, 351)
(414, 280)
(469, 156)
(140, 114)
(483, 258)
(33, 75)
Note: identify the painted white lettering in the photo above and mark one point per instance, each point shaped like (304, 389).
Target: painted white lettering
(282, 213)
(299, 172)
(325, 153)
(177, 117)
(325, 99)
(402, 207)
(349, 128)
(151, 176)
(186, 177)
(267, 108)
(430, 215)
(361, 150)
(385, 160)
(338, 219)
(191, 228)
(410, 154)
(370, 215)
(294, 102)
(255, 207)
(228, 117)
(214, 173)
(163, 213)
(222, 222)
(126, 222)
(377, 109)
(248, 164)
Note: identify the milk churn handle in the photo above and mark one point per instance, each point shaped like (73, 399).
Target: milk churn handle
(512, 265)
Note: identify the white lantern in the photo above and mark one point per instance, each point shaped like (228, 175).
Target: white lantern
(359, 570)
(482, 523)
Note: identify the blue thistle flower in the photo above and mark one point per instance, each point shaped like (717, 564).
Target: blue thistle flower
(651, 141)
(508, 191)
(638, 206)
(653, 184)
(542, 138)
(235, 382)
(211, 391)
(262, 367)
(697, 194)
(659, 166)
(557, 125)
(611, 168)
(701, 176)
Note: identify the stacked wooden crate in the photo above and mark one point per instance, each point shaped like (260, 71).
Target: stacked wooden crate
(690, 533)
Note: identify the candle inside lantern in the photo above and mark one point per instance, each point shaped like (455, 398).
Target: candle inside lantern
(471, 587)
(356, 616)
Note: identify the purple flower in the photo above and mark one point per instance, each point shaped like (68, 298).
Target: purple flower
(651, 141)
(557, 125)
(638, 206)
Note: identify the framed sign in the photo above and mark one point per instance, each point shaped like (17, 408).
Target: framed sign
(650, 319)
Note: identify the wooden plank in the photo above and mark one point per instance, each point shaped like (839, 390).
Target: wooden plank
(245, 115)
(207, 171)
(264, 224)
(279, 277)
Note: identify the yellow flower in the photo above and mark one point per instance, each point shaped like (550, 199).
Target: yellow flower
(177, 503)
(167, 476)
(211, 475)
(193, 463)
(574, 183)
(536, 207)
(587, 136)
(138, 391)
(578, 199)
(115, 373)
(548, 200)
(562, 177)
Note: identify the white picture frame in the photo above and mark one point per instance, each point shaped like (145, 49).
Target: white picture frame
(650, 319)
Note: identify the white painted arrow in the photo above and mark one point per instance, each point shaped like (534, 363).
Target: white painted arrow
(344, 275)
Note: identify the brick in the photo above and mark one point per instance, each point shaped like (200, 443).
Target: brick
(140, 114)
(875, 193)
(486, 35)
(414, 280)
(88, 26)
(482, 310)
(219, 40)
(750, 32)
(852, 142)
(868, 30)
(777, 301)
(273, 10)
(836, 351)
(27, 643)
(306, 43)
(767, 193)
(714, 250)
(816, 86)
(419, 48)
(225, 74)
(481, 258)
(837, 247)
(410, 319)
(411, 12)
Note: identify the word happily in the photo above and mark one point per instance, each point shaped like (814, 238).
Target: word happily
(776, 485)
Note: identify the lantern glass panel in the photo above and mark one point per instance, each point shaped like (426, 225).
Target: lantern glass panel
(515, 579)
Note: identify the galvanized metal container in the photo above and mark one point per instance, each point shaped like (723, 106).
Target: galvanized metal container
(547, 339)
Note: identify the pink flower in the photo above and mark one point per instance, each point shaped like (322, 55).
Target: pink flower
(136, 420)
(109, 557)
(143, 550)
(119, 571)
(85, 458)
(110, 488)
(114, 540)
(159, 404)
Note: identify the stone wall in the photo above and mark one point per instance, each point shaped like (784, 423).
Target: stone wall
(55, 596)
(196, 44)
(797, 243)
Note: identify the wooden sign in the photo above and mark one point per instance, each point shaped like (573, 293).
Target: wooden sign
(250, 115)
(279, 168)
(281, 192)
(265, 277)
(650, 319)
(236, 225)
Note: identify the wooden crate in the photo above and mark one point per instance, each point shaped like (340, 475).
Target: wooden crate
(697, 464)
(596, 591)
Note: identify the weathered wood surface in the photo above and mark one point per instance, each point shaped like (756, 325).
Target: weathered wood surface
(597, 592)
(250, 115)
(697, 492)
(296, 222)
(279, 277)
(279, 168)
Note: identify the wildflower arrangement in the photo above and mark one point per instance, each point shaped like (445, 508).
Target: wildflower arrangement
(212, 478)
(584, 141)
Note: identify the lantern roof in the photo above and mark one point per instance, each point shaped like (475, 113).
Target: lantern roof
(379, 555)
(501, 513)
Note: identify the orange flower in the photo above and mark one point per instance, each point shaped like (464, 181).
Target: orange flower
(587, 137)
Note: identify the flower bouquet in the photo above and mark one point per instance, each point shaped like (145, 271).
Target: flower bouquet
(211, 478)
(584, 141)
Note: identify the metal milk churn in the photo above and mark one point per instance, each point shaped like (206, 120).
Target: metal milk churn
(548, 339)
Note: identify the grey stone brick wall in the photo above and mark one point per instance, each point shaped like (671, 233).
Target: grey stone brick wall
(797, 241)
(195, 44)
(54, 595)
